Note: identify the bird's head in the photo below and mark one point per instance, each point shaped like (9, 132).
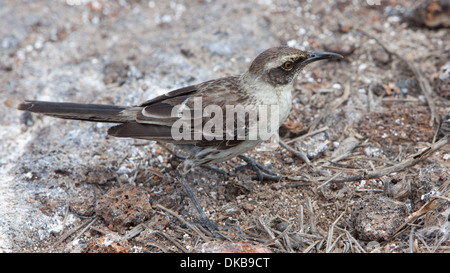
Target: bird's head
(281, 65)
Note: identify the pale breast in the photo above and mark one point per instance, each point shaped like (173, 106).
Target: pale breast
(280, 96)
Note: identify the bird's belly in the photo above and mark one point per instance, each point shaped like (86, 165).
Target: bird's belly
(212, 155)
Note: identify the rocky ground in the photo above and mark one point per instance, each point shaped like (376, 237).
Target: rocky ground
(372, 125)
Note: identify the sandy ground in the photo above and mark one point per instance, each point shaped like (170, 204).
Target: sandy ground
(66, 186)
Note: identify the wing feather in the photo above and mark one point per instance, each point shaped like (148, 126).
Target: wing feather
(154, 120)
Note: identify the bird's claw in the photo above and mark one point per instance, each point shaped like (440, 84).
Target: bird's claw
(262, 172)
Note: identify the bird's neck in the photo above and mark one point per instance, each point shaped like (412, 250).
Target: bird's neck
(266, 93)
(257, 86)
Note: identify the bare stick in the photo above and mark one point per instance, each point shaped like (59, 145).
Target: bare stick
(411, 161)
(299, 154)
(194, 228)
(330, 244)
(273, 239)
(323, 129)
(312, 219)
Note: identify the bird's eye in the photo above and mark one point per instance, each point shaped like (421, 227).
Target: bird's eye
(287, 65)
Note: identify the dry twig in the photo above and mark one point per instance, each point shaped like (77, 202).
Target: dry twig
(430, 205)
(323, 129)
(298, 154)
(194, 228)
(330, 245)
(409, 162)
(273, 239)
(85, 227)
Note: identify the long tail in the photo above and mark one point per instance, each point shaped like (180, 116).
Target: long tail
(87, 112)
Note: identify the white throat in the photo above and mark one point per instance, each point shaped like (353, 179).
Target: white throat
(268, 94)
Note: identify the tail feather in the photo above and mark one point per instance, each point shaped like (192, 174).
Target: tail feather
(78, 111)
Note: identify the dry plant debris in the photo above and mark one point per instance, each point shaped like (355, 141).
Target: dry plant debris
(364, 155)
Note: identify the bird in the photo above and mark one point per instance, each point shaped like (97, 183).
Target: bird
(268, 80)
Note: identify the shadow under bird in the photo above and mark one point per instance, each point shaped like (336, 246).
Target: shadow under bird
(268, 81)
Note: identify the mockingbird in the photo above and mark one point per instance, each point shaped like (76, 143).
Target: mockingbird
(268, 81)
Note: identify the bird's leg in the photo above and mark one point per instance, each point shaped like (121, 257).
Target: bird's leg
(170, 151)
(215, 169)
(182, 157)
(204, 221)
(261, 171)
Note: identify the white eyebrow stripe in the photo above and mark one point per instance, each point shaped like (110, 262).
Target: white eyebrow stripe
(279, 62)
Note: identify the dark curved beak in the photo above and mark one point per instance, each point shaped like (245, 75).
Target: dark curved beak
(317, 56)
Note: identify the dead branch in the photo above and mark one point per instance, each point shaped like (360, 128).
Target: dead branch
(427, 207)
(194, 228)
(409, 162)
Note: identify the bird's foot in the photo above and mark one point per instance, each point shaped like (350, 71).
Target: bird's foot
(262, 172)
(207, 223)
